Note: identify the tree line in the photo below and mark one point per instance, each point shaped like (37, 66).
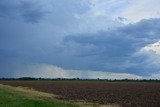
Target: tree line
(80, 79)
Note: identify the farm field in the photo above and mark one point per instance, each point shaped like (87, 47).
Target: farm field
(21, 97)
(124, 94)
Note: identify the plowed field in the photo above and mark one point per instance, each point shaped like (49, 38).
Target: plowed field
(126, 94)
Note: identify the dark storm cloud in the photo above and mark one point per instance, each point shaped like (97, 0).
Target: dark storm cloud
(114, 49)
(33, 11)
(29, 11)
(68, 34)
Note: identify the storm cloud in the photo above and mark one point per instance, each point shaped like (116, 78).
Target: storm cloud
(85, 36)
(116, 49)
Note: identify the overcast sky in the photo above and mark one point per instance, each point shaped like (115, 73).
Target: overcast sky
(80, 38)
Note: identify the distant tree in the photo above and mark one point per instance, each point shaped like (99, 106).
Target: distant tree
(27, 78)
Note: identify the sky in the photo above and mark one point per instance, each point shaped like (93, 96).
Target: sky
(108, 39)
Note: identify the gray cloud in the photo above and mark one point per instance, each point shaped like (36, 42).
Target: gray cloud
(17, 9)
(52, 71)
(7, 8)
(72, 34)
(33, 11)
(114, 50)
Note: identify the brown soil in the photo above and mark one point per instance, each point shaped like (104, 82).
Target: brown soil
(126, 94)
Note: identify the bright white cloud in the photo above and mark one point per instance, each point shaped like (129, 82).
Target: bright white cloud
(132, 10)
(142, 9)
(152, 54)
(52, 71)
(154, 76)
(155, 48)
